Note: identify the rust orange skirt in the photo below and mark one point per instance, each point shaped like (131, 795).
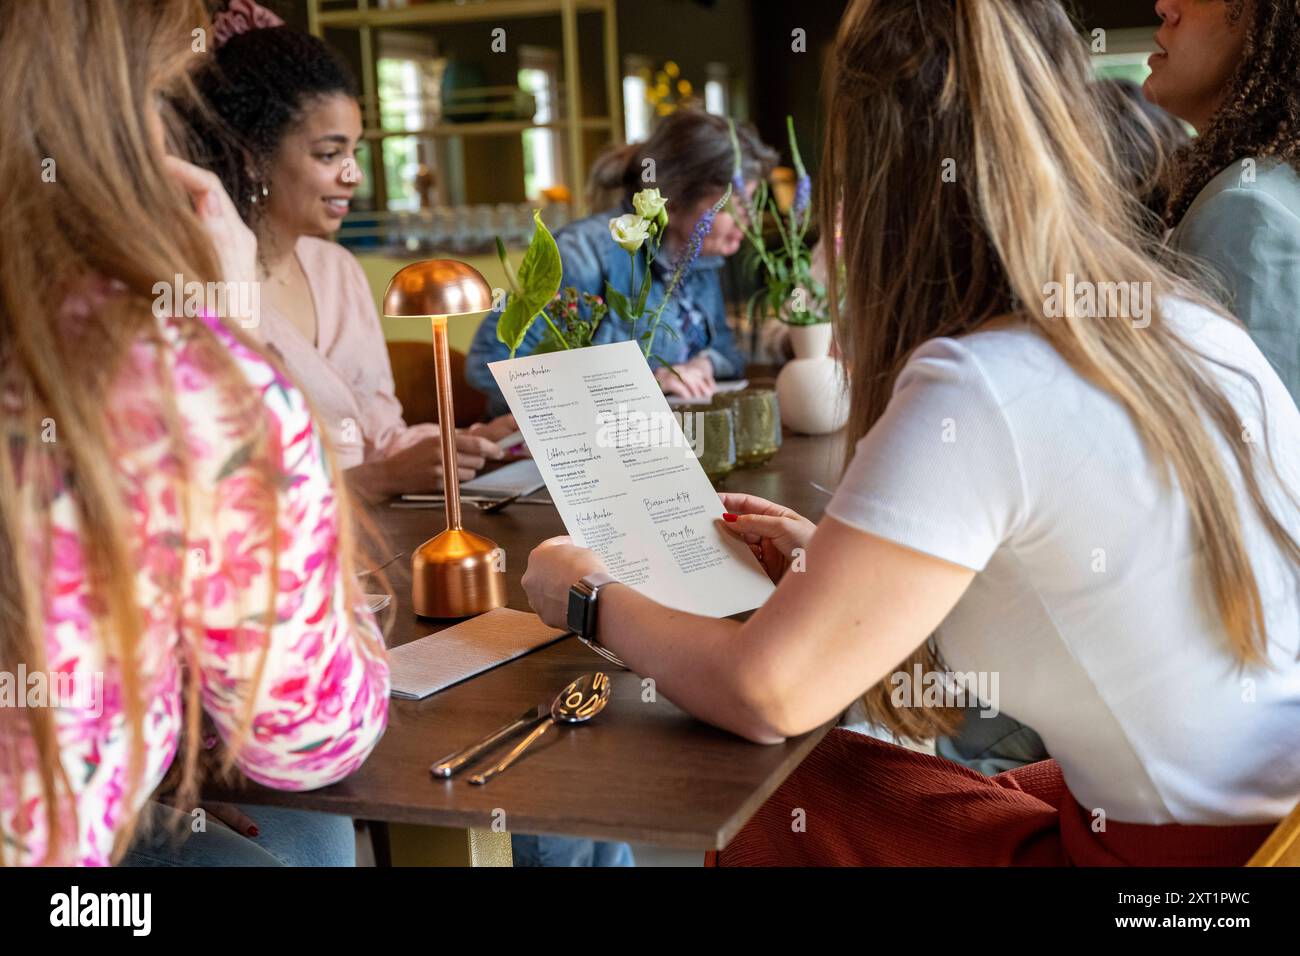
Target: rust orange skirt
(858, 801)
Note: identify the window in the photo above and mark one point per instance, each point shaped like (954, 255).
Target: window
(717, 89)
(539, 74)
(410, 76)
(636, 104)
(400, 108)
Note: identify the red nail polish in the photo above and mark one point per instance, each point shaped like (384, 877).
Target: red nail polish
(252, 830)
(728, 516)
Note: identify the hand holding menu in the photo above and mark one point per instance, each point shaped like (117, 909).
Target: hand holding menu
(626, 480)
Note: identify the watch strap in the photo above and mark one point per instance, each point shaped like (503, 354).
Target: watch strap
(588, 590)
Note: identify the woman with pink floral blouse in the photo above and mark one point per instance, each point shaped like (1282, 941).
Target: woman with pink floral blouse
(174, 541)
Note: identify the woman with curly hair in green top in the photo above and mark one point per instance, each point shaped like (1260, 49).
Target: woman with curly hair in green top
(1230, 69)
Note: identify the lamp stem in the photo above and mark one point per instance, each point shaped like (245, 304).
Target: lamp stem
(446, 421)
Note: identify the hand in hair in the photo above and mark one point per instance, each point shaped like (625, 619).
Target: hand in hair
(232, 241)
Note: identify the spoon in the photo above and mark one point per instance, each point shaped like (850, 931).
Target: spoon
(576, 704)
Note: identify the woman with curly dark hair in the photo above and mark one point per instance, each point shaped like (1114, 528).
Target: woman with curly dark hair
(284, 143)
(1230, 69)
(281, 131)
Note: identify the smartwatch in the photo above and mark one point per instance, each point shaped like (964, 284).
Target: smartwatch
(582, 612)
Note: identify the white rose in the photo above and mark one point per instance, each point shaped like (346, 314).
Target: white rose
(630, 231)
(649, 204)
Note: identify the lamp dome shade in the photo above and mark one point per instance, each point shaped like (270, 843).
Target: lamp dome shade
(437, 287)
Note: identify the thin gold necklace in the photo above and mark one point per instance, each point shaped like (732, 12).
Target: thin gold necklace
(266, 274)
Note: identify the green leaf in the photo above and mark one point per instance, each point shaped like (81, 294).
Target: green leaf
(618, 302)
(511, 279)
(645, 292)
(539, 279)
(794, 147)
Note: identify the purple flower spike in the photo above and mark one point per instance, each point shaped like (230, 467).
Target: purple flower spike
(686, 258)
(741, 197)
(802, 197)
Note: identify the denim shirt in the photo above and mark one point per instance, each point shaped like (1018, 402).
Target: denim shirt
(696, 312)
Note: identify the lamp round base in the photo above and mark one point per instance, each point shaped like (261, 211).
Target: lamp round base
(457, 574)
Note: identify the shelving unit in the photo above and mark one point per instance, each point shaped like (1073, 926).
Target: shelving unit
(484, 128)
(365, 17)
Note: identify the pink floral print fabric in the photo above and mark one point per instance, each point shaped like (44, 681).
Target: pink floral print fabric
(322, 700)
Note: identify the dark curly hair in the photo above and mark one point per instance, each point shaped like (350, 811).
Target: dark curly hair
(255, 89)
(1260, 115)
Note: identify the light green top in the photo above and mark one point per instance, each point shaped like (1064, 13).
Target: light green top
(1247, 228)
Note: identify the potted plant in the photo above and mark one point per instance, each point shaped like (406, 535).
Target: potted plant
(811, 387)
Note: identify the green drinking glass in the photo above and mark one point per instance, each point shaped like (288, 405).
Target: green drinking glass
(711, 432)
(758, 425)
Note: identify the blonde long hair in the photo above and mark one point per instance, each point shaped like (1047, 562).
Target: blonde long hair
(79, 84)
(996, 92)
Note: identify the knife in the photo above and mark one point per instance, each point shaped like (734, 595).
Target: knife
(453, 762)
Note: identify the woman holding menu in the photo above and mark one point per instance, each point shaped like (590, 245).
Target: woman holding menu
(690, 159)
(1099, 509)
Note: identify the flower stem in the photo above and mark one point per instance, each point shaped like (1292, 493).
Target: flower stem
(564, 342)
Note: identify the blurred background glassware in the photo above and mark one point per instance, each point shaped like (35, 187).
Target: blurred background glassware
(507, 224)
(757, 416)
(524, 223)
(442, 228)
(460, 229)
(710, 431)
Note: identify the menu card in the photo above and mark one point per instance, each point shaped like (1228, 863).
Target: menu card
(626, 479)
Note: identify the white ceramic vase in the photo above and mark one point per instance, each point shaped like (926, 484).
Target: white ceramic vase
(811, 387)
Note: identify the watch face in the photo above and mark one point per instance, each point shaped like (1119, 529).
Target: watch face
(579, 597)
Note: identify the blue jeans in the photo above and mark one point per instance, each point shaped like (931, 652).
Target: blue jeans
(529, 850)
(302, 838)
(285, 838)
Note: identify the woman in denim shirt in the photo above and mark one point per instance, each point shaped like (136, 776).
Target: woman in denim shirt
(689, 158)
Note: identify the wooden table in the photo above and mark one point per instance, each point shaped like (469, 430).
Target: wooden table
(643, 771)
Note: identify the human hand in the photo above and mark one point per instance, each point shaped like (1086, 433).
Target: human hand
(554, 566)
(773, 532)
(693, 379)
(232, 241)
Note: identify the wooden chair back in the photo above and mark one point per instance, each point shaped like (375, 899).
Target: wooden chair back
(413, 377)
(1282, 848)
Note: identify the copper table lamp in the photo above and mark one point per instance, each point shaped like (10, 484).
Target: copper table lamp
(456, 573)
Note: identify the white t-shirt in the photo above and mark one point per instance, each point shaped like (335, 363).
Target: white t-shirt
(994, 454)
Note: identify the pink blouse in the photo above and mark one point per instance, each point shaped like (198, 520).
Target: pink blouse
(322, 702)
(347, 374)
